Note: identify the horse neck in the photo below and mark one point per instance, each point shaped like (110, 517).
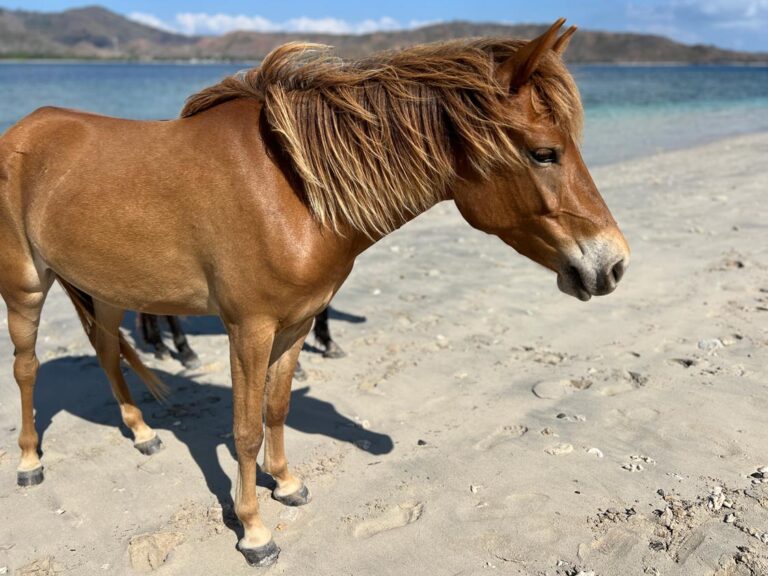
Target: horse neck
(360, 242)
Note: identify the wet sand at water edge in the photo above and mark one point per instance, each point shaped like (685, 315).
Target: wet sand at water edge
(482, 423)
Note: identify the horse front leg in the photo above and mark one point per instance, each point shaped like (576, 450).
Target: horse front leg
(250, 351)
(290, 490)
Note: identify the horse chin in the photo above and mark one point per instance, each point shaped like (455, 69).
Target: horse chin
(573, 287)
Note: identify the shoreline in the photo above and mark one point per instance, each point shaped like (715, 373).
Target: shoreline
(703, 143)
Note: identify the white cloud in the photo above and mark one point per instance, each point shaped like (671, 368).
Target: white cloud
(194, 23)
(336, 26)
(203, 23)
(692, 15)
(150, 20)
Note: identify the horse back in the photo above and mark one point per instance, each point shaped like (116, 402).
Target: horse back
(168, 217)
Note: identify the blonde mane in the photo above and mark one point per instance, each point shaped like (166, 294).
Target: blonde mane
(377, 139)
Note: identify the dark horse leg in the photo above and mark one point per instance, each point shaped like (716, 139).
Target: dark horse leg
(323, 335)
(187, 356)
(150, 333)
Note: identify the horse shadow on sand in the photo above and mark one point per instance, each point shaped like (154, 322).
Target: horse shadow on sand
(198, 414)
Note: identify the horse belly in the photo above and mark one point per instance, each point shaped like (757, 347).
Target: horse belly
(107, 248)
(143, 280)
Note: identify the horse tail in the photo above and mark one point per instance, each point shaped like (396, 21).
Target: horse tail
(87, 313)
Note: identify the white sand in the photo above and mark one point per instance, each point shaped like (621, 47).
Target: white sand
(668, 374)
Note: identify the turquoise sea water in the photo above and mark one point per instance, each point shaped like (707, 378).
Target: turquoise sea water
(635, 111)
(630, 111)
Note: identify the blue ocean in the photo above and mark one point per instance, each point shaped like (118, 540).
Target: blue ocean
(630, 111)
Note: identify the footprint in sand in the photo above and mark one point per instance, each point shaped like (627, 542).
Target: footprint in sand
(554, 389)
(621, 381)
(501, 435)
(396, 517)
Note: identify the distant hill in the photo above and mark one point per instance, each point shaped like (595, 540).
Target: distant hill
(95, 32)
(91, 32)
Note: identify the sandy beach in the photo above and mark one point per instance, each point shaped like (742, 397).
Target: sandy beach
(482, 422)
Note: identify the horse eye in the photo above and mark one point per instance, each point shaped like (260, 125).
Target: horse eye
(544, 155)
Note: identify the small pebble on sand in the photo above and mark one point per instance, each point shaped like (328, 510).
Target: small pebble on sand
(710, 344)
(641, 458)
(595, 452)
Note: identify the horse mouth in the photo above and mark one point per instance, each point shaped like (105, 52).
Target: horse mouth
(583, 284)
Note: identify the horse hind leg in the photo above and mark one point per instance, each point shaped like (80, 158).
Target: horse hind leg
(187, 356)
(150, 333)
(323, 335)
(107, 344)
(24, 309)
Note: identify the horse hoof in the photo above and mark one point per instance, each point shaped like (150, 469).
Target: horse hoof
(299, 373)
(333, 350)
(162, 353)
(262, 556)
(150, 446)
(30, 477)
(298, 498)
(190, 360)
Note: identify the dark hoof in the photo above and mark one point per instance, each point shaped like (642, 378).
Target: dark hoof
(299, 374)
(150, 446)
(189, 360)
(333, 350)
(298, 498)
(162, 352)
(262, 556)
(30, 477)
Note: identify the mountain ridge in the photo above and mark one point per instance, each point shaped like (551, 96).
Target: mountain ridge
(94, 32)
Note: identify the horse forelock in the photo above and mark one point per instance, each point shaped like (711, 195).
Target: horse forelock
(376, 140)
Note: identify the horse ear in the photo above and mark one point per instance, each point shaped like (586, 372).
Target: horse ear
(517, 70)
(562, 43)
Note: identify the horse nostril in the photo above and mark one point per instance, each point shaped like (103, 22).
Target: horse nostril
(575, 274)
(618, 271)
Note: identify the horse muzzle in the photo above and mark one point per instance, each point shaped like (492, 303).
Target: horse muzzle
(595, 272)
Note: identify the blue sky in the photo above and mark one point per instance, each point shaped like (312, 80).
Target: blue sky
(738, 24)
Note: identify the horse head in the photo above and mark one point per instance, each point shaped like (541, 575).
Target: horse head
(545, 203)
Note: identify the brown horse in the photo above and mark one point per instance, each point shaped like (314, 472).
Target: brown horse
(268, 188)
